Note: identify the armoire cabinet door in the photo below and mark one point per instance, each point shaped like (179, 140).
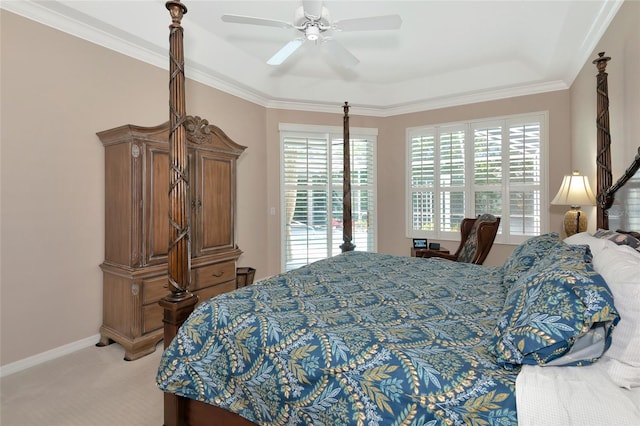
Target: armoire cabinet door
(213, 202)
(122, 240)
(156, 203)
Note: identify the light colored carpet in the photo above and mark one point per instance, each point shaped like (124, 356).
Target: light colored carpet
(90, 387)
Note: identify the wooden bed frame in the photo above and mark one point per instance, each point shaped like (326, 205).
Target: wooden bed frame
(180, 303)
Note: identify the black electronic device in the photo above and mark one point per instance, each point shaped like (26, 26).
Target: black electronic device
(419, 243)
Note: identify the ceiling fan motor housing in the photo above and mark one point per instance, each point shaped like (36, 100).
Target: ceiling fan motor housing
(301, 20)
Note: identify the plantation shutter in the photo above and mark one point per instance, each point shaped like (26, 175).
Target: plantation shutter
(423, 172)
(305, 197)
(451, 178)
(524, 179)
(363, 191)
(487, 169)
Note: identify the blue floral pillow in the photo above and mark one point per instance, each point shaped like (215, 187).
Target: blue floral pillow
(528, 254)
(559, 312)
(619, 238)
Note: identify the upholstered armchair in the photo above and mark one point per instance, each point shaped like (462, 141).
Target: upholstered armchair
(477, 236)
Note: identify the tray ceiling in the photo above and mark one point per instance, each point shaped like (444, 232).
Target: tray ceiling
(445, 53)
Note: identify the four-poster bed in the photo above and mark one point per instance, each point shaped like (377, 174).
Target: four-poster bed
(366, 338)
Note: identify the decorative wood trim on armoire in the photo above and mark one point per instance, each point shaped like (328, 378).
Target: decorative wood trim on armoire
(137, 226)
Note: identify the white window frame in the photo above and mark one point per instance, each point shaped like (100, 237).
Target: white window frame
(331, 133)
(469, 186)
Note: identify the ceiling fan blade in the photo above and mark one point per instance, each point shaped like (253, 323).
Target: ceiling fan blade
(312, 8)
(385, 22)
(343, 56)
(239, 19)
(285, 52)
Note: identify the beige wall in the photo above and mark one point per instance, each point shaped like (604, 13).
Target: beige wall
(58, 91)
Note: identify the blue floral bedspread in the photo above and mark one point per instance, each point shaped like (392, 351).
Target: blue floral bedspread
(357, 339)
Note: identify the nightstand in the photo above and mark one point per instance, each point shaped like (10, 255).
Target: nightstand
(420, 252)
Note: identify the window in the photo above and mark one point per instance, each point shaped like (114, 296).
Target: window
(312, 192)
(464, 169)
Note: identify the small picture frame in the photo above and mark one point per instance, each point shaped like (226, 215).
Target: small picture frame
(419, 243)
(434, 246)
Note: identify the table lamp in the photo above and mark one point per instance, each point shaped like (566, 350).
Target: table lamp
(575, 192)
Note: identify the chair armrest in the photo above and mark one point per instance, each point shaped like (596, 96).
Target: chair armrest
(444, 254)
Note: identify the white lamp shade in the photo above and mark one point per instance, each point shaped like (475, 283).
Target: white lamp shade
(575, 191)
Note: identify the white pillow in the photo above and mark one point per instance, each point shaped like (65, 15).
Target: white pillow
(620, 267)
(596, 245)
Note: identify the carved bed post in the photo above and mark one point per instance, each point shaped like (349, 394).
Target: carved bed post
(347, 227)
(603, 154)
(179, 256)
(180, 302)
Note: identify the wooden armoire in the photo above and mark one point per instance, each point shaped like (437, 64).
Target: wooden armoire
(137, 226)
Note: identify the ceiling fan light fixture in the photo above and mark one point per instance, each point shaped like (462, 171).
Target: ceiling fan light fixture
(312, 33)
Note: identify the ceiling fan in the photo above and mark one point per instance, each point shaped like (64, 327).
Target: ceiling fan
(312, 19)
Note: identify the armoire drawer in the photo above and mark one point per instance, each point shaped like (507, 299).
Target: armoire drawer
(209, 292)
(214, 274)
(152, 317)
(154, 289)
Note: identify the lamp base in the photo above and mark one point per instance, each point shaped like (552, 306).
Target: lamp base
(575, 220)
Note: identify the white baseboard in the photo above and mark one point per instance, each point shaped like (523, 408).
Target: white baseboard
(34, 360)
